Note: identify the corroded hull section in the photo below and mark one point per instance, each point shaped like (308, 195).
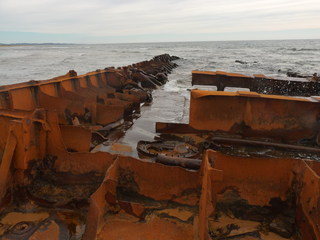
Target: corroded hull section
(197, 186)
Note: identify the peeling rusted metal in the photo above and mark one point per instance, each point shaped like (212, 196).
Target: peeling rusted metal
(264, 144)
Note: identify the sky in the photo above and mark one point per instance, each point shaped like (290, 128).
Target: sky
(121, 21)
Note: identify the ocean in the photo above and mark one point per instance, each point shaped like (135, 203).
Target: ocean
(38, 62)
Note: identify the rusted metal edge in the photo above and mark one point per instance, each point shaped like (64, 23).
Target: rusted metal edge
(183, 128)
(257, 83)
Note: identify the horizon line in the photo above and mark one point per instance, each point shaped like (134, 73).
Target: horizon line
(86, 43)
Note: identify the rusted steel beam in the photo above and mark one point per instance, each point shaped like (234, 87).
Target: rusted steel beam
(264, 144)
(178, 161)
(182, 128)
(249, 114)
(257, 83)
(6, 163)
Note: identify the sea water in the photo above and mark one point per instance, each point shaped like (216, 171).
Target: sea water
(19, 63)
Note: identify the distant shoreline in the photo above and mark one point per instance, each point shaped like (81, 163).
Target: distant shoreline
(32, 44)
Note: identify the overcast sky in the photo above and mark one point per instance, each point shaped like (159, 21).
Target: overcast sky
(102, 21)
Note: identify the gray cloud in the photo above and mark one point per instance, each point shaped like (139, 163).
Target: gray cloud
(148, 17)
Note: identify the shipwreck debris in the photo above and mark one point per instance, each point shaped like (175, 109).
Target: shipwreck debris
(47, 129)
(52, 187)
(168, 148)
(188, 163)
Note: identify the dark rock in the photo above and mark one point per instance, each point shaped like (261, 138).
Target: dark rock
(161, 77)
(72, 73)
(296, 74)
(241, 62)
(174, 58)
(315, 77)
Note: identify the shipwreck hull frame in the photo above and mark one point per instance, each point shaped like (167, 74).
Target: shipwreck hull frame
(46, 161)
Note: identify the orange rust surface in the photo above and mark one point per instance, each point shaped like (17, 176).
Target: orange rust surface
(71, 136)
(155, 228)
(203, 72)
(231, 74)
(283, 118)
(259, 181)
(6, 163)
(262, 179)
(52, 117)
